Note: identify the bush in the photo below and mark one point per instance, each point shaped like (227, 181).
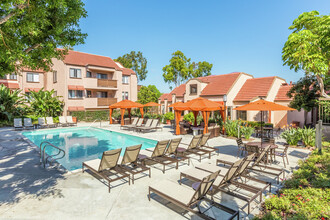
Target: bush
(291, 135)
(247, 131)
(169, 116)
(189, 117)
(307, 136)
(90, 116)
(306, 195)
(231, 127)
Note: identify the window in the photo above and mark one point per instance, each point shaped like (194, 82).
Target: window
(125, 95)
(102, 76)
(75, 94)
(89, 93)
(193, 89)
(13, 76)
(125, 79)
(32, 77)
(75, 73)
(88, 74)
(54, 76)
(102, 95)
(241, 115)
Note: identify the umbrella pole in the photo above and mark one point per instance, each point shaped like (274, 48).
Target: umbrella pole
(261, 135)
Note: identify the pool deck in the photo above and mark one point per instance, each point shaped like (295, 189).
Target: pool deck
(28, 191)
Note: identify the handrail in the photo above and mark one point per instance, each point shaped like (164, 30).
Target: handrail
(42, 152)
(95, 121)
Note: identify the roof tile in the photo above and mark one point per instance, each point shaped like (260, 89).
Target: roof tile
(281, 94)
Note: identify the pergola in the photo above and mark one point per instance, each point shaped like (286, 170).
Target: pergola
(151, 104)
(197, 105)
(123, 105)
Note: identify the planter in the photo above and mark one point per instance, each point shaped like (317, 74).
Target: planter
(168, 122)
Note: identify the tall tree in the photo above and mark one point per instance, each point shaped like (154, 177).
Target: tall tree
(305, 94)
(181, 68)
(148, 94)
(32, 30)
(307, 47)
(135, 61)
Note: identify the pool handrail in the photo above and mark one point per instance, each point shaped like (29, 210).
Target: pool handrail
(42, 152)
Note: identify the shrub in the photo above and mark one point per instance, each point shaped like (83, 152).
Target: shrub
(291, 135)
(11, 103)
(90, 116)
(231, 127)
(189, 117)
(169, 116)
(247, 131)
(307, 136)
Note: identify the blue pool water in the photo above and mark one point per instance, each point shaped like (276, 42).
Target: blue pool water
(83, 144)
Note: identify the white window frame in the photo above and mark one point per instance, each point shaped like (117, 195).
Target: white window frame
(75, 73)
(74, 94)
(35, 77)
(125, 79)
(54, 76)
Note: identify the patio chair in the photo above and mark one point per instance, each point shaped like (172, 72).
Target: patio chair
(241, 147)
(28, 123)
(42, 123)
(138, 124)
(171, 152)
(283, 154)
(18, 124)
(50, 122)
(130, 163)
(62, 121)
(204, 145)
(156, 154)
(193, 148)
(70, 122)
(146, 125)
(188, 198)
(134, 122)
(107, 166)
(153, 126)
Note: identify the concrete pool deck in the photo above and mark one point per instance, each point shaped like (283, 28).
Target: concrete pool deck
(28, 191)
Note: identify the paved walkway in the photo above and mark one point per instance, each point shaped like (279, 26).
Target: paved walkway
(28, 191)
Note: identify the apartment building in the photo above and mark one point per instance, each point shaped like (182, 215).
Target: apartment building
(240, 89)
(85, 81)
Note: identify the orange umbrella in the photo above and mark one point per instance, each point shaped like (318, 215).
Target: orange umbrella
(151, 104)
(263, 105)
(125, 104)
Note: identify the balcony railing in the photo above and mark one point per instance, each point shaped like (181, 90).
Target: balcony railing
(106, 83)
(106, 101)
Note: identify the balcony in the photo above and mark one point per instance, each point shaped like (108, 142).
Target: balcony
(106, 101)
(107, 83)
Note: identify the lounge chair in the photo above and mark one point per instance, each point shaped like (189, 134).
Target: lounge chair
(193, 148)
(28, 123)
(70, 122)
(241, 147)
(50, 122)
(62, 121)
(130, 164)
(138, 124)
(153, 126)
(134, 123)
(171, 152)
(157, 155)
(42, 123)
(147, 124)
(203, 145)
(18, 124)
(257, 166)
(188, 198)
(107, 167)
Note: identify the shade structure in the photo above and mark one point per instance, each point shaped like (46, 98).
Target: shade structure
(151, 104)
(196, 105)
(123, 105)
(263, 105)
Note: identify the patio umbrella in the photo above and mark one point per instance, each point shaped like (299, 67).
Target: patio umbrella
(125, 104)
(263, 105)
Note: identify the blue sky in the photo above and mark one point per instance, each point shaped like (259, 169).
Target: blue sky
(241, 35)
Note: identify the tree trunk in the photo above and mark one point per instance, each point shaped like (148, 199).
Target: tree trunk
(305, 117)
(7, 17)
(321, 84)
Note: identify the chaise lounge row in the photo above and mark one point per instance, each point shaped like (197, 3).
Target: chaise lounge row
(47, 122)
(137, 125)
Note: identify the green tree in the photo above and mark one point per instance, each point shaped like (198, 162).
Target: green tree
(43, 103)
(11, 103)
(307, 47)
(148, 94)
(181, 68)
(32, 30)
(135, 61)
(305, 94)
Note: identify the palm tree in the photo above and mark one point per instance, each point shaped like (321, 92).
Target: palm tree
(11, 103)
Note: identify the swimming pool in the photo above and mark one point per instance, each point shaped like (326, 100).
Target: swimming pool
(83, 143)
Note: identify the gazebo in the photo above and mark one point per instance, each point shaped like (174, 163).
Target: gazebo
(151, 104)
(197, 105)
(123, 105)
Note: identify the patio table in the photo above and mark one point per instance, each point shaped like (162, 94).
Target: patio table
(196, 130)
(264, 145)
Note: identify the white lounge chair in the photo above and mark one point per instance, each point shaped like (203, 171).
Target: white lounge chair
(18, 124)
(50, 122)
(42, 123)
(28, 123)
(62, 121)
(69, 121)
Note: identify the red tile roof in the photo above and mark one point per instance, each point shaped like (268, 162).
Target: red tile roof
(179, 91)
(281, 94)
(218, 84)
(84, 59)
(127, 72)
(255, 87)
(167, 96)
